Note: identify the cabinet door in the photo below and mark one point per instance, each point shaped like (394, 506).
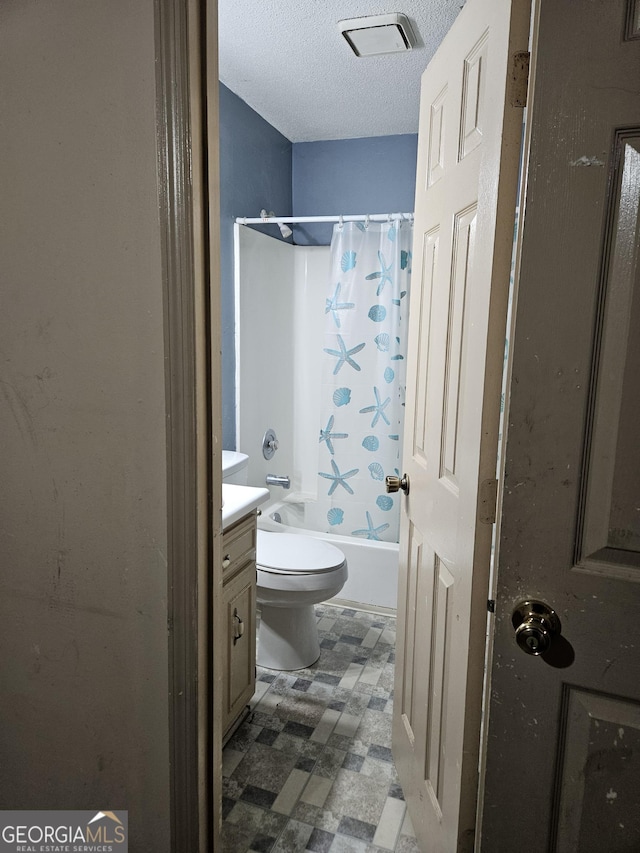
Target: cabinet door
(240, 643)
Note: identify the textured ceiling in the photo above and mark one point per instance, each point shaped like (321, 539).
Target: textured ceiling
(287, 60)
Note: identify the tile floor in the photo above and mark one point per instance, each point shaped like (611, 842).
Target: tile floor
(311, 767)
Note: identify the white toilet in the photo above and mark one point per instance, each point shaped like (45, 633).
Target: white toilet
(294, 572)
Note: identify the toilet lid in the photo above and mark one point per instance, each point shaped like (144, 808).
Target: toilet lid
(290, 552)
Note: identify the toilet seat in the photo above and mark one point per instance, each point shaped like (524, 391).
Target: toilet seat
(293, 554)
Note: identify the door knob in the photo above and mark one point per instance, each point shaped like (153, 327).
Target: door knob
(536, 625)
(394, 484)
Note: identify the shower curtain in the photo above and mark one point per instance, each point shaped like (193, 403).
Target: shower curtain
(363, 378)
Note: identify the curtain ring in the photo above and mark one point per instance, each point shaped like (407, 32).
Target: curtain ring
(340, 221)
(366, 221)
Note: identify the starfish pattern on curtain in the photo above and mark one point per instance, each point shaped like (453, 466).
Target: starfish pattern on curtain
(362, 392)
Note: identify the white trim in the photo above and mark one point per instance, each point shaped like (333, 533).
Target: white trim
(359, 217)
(237, 329)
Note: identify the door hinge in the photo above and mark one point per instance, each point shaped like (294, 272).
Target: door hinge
(491, 605)
(488, 500)
(519, 79)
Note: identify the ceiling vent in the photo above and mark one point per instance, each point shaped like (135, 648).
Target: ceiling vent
(376, 34)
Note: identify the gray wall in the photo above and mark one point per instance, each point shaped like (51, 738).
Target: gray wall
(83, 608)
(255, 173)
(373, 175)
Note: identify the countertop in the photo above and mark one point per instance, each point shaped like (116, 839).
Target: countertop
(238, 501)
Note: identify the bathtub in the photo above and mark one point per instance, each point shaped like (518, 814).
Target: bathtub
(373, 566)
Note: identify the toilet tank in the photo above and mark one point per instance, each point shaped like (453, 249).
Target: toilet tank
(234, 467)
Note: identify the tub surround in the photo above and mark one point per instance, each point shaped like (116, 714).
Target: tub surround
(284, 287)
(255, 169)
(239, 501)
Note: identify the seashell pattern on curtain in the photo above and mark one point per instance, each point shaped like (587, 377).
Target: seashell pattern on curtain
(363, 379)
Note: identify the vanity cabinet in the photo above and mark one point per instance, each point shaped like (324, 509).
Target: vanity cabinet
(239, 602)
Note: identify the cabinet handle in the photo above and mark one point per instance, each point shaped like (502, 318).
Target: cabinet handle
(226, 561)
(238, 626)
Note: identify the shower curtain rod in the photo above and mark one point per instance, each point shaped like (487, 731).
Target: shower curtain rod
(361, 217)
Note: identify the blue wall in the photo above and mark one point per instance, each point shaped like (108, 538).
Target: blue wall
(255, 173)
(372, 175)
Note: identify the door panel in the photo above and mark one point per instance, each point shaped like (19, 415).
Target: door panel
(563, 728)
(425, 313)
(633, 20)
(462, 252)
(465, 205)
(473, 85)
(611, 528)
(590, 804)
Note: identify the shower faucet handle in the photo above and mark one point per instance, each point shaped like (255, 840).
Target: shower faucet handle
(269, 444)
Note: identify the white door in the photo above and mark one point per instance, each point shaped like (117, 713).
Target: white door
(469, 142)
(563, 758)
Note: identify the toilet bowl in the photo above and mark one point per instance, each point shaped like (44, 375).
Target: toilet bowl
(295, 572)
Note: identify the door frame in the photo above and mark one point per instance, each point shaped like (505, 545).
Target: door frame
(187, 122)
(510, 330)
